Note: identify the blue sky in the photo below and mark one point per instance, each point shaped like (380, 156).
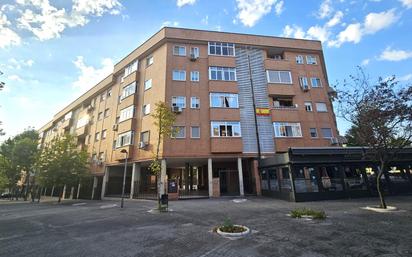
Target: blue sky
(53, 51)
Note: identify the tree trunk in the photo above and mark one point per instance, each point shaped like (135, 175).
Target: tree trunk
(39, 196)
(60, 195)
(378, 185)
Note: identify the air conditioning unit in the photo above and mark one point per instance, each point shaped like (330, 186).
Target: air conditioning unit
(296, 106)
(305, 88)
(90, 108)
(99, 162)
(193, 57)
(115, 127)
(142, 144)
(334, 141)
(176, 109)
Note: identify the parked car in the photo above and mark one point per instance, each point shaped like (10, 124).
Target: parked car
(5, 195)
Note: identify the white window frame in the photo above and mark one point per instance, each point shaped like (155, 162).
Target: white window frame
(300, 59)
(128, 90)
(303, 82)
(226, 124)
(191, 131)
(175, 101)
(148, 137)
(132, 67)
(306, 104)
(179, 47)
(121, 143)
(222, 97)
(311, 59)
(324, 107)
(96, 136)
(223, 71)
(221, 45)
(149, 60)
(195, 51)
(193, 77)
(279, 77)
(146, 109)
(104, 134)
(148, 84)
(318, 82)
(181, 75)
(295, 127)
(194, 100)
(174, 129)
(126, 113)
(331, 132)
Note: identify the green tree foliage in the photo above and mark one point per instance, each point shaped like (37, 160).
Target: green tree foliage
(61, 163)
(381, 118)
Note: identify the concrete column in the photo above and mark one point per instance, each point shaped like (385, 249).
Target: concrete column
(105, 180)
(240, 169)
(163, 177)
(52, 192)
(135, 170)
(210, 176)
(71, 193)
(95, 180)
(256, 176)
(78, 191)
(64, 192)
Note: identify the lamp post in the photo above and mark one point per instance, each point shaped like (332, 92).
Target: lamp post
(124, 175)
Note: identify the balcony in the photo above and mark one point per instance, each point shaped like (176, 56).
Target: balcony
(118, 155)
(66, 123)
(82, 131)
(134, 76)
(226, 145)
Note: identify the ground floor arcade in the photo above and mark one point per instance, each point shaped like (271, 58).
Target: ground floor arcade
(184, 178)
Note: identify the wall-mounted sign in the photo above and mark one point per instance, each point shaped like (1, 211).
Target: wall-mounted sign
(263, 111)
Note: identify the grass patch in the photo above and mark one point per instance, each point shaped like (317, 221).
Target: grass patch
(299, 213)
(228, 227)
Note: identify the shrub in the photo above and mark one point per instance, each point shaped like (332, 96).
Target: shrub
(299, 213)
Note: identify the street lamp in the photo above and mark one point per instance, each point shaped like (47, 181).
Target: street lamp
(124, 175)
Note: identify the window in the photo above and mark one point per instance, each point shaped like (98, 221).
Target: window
(179, 132)
(101, 156)
(284, 77)
(224, 100)
(315, 82)
(106, 112)
(131, 68)
(128, 90)
(313, 132)
(283, 102)
(195, 132)
(100, 116)
(146, 109)
(303, 81)
(326, 132)
(321, 107)
(179, 75)
(97, 136)
(82, 122)
(68, 116)
(311, 59)
(148, 84)
(223, 49)
(308, 106)
(102, 97)
(194, 51)
(104, 134)
(126, 113)
(149, 61)
(145, 137)
(299, 59)
(286, 129)
(194, 76)
(124, 139)
(179, 101)
(194, 102)
(179, 50)
(109, 92)
(225, 129)
(222, 73)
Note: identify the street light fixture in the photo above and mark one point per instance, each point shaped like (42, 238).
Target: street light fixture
(124, 175)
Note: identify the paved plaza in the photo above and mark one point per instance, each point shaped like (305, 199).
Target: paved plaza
(101, 228)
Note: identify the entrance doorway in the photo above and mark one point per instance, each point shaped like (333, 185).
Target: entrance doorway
(229, 182)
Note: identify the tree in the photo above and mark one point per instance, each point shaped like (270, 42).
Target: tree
(164, 119)
(1, 88)
(61, 163)
(381, 118)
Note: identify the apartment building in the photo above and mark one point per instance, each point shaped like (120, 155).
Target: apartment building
(222, 87)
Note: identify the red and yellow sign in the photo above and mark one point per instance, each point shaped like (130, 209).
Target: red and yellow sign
(263, 111)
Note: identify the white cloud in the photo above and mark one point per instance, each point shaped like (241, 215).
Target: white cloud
(46, 21)
(375, 22)
(205, 20)
(279, 8)
(15, 78)
(393, 55)
(181, 3)
(293, 31)
(251, 11)
(365, 62)
(407, 77)
(89, 75)
(18, 64)
(325, 9)
(406, 3)
(8, 37)
(335, 20)
(170, 24)
(352, 34)
(318, 33)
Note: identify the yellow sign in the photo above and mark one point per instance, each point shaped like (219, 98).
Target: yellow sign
(263, 111)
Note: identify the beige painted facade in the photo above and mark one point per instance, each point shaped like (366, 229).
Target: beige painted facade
(96, 112)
